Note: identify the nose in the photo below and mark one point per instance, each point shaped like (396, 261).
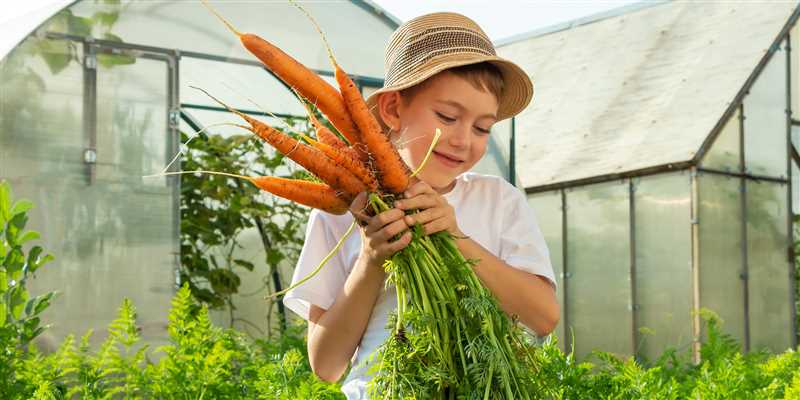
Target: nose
(459, 136)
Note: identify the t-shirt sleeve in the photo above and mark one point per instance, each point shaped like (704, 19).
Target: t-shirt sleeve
(321, 290)
(522, 244)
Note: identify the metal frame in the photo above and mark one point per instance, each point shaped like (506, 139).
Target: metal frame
(565, 274)
(792, 155)
(632, 250)
(744, 273)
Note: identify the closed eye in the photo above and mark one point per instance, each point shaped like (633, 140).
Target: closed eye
(481, 130)
(444, 118)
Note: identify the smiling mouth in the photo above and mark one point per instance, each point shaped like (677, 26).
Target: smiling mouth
(447, 159)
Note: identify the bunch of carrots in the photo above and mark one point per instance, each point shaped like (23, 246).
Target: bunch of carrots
(450, 339)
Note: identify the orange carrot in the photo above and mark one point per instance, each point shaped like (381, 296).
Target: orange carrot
(303, 80)
(308, 157)
(311, 194)
(352, 164)
(325, 135)
(393, 173)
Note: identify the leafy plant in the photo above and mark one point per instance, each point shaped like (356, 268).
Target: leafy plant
(215, 210)
(19, 313)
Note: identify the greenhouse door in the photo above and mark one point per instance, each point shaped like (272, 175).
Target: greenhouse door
(130, 133)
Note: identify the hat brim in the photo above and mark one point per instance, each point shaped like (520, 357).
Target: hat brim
(517, 92)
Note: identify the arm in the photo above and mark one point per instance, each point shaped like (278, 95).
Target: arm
(529, 296)
(520, 293)
(334, 334)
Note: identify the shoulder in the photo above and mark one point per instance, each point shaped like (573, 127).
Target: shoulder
(335, 224)
(490, 185)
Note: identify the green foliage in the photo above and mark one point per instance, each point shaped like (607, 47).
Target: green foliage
(201, 362)
(19, 313)
(215, 210)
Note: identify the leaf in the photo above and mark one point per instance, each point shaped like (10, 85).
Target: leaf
(19, 297)
(80, 26)
(3, 281)
(5, 202)
(245, 264)
(20, 207)
(111, 60)
(2, 315)
(28, 236)
(56, 54)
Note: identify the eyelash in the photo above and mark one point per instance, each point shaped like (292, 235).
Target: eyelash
(449, 120)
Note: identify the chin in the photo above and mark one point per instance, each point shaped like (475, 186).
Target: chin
(438, 181)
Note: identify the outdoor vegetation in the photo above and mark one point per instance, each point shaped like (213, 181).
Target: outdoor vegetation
(204, 361)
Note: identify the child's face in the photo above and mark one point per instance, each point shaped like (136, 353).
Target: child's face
(462, 112)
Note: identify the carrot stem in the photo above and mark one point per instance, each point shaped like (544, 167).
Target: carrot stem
(428, 155)
(319, 267)
(221, 18)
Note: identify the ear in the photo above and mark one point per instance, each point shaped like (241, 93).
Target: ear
(389, 104)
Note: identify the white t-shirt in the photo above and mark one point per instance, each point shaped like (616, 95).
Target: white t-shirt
(488, 209)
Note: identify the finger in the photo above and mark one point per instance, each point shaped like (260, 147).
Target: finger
(359, 207)
(426, 200)
(377, 222)
(418, 188)
(390, 231)
(436, 225)
(399, 244)
(425, 216)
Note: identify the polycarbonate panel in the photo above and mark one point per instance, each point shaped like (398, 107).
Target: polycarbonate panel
(41, 114)
(662, 230)
(765, 120)
(240, 86)
(770, 289)
(547, 207)
(724, 153)
(132, 131)
(598, 266)
(112, 239)
(356, 35)
(495, 160)
(720, 240)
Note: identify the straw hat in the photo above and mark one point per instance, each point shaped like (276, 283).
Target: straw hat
(431, 43)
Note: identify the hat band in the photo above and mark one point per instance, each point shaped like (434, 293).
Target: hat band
(435, 42)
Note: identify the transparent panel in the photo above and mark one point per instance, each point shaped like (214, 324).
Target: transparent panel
(191, 27)
(547, 207)
(724, 152)
(114, 238)
(720, 239)
(769, 271)
(40, 79)
(598, 269)
(495, 161)
(239, 86)
(662, 207)
(765, 120)
(796, 134)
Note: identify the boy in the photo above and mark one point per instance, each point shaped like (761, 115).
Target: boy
(441, 72)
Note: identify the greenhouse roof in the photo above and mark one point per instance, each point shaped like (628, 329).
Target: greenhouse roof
(635, 90)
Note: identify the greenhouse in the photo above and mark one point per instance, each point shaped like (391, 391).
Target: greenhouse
(661, 157)
(660, 153)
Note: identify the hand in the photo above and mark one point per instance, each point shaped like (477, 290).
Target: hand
(435, 214)
(378, 232)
